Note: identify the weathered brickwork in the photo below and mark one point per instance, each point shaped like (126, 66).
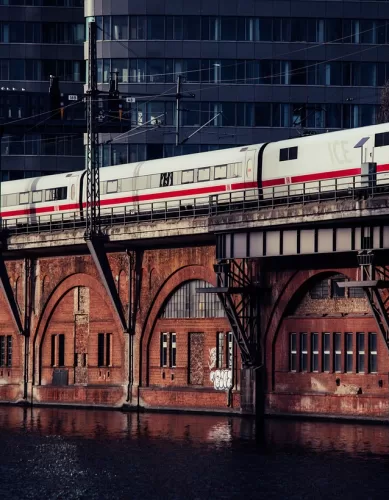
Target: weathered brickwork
(75, 330)
(70, 313)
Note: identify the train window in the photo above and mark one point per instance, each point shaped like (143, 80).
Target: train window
(221, 172)
(381, 140)
(23, 198)
(56, 194)
(204, 174)
(127, 184)
(288, 153)
(234, 170)
(103, 187)
(141, 182)
(12, 200)
(154, 181)
(166, 179)
(187, 176)
(73, 192)
(112, 186)
(36, 196)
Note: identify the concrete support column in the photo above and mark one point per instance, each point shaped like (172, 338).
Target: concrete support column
(252, 392)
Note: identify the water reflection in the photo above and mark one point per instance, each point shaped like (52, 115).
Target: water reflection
(197, 430)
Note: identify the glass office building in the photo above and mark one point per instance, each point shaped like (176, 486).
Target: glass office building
(263, 70)
(39, 38)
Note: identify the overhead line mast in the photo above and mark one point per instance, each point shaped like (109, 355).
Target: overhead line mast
(92, 209)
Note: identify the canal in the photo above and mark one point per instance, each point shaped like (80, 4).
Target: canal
(76, 454)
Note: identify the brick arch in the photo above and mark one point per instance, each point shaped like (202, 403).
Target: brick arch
(65, 286)
(180, 276)
(289, 292)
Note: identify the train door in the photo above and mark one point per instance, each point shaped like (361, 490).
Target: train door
(250, 175)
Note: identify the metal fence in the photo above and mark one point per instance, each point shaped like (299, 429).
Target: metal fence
(356, 187)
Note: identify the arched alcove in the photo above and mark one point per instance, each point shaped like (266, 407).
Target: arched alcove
(70, 332)
(191, 339)
(327, 333)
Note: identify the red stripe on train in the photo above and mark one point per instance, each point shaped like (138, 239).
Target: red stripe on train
(320, 176)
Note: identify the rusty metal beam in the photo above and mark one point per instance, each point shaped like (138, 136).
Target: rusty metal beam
(238, 292)
(9, 297)
(99, 256)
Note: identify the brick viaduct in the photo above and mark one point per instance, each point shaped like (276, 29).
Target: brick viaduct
(322, 349)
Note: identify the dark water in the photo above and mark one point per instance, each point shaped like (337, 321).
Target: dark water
(68, 454)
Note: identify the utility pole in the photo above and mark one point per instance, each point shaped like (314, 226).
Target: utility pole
(92, 218)
(178, 110)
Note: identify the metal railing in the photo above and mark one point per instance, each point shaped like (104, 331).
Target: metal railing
(355, 187)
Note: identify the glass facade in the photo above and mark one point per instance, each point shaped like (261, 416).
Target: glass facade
(30, 146)
(259, 72)
(242, 29)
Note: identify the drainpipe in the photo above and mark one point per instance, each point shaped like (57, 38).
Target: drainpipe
(130, 326)
(27, 275)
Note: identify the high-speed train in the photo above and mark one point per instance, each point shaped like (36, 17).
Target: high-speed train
(322, 162)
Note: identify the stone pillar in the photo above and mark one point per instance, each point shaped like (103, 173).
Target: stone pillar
(252, 392)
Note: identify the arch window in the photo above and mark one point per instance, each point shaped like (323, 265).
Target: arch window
(328, 288)
(185, 302)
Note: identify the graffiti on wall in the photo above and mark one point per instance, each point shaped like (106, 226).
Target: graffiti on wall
(221, 378)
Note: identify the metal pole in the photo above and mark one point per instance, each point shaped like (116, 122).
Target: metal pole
(178, 114)
(92, 164)
(1, 176)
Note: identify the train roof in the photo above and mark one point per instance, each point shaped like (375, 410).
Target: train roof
(332, 136)
(171, 164)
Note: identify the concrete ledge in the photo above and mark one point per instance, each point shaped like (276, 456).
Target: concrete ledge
(309, 213)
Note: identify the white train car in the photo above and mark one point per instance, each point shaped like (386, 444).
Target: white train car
(189, 180)
(325, 162)
(49, 198)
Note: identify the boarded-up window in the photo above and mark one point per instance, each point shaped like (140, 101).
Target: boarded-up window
(221, 172)
(204, 174)
(196, 358)
(187, 176)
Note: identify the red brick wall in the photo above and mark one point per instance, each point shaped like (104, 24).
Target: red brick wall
(183, 327)
(293, 310)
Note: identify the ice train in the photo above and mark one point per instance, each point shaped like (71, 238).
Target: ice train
(325, 162)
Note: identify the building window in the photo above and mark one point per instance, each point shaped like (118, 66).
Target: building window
(303, 352)
(293, 352)
(185, 302)
(163, 350)
(58, 350)
(373, 353)
(338, 352)
(220, 350)
(336, 291)
(315, 352)
(356, 293)
(173, 350)
(6, 350)
(349, 352)
(361, 352)
(320, 290)
(326, 351)
(104, 348)
(230, 353)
